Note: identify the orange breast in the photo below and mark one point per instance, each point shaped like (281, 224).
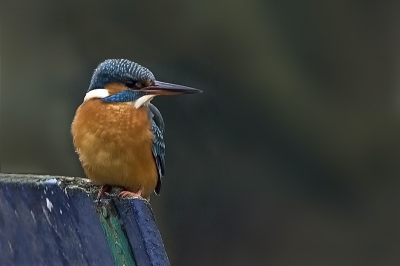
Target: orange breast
(114, 143)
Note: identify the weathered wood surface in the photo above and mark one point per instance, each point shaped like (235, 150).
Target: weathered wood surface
(49, 220)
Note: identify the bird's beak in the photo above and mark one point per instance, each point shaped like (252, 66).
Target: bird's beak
(163, 88)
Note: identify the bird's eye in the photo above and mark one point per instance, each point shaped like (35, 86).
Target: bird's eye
(131, 84)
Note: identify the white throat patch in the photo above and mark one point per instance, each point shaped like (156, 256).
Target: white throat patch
(144, 100)
(97, 93)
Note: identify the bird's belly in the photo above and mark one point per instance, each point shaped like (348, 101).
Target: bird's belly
(114, 145)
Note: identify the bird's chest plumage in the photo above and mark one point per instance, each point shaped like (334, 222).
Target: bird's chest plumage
(114, 143)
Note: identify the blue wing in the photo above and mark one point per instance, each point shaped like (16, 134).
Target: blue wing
(158, 148)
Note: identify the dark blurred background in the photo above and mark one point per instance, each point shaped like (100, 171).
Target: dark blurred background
(289, 157)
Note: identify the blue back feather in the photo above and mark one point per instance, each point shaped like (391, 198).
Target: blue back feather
(158, 127)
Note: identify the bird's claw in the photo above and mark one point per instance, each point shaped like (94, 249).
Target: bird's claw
(103, 189)
(130, 194)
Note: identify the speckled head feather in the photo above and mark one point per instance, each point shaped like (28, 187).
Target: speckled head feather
(118, 71)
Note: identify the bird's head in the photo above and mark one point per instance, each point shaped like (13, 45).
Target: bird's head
(121, 80)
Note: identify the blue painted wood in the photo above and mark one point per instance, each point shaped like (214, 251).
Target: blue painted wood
(48, 220)
(141, 229)
(41, 225)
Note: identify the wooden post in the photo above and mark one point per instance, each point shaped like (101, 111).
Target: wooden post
(49, 220)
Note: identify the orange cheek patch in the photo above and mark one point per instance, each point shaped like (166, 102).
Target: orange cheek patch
(114, 88)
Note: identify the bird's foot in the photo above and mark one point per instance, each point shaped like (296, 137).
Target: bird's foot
(103, 189)
(130, 194)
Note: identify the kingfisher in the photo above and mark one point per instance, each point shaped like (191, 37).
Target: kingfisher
(118, 133)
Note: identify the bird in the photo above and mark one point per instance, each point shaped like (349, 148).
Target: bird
(118, 134)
